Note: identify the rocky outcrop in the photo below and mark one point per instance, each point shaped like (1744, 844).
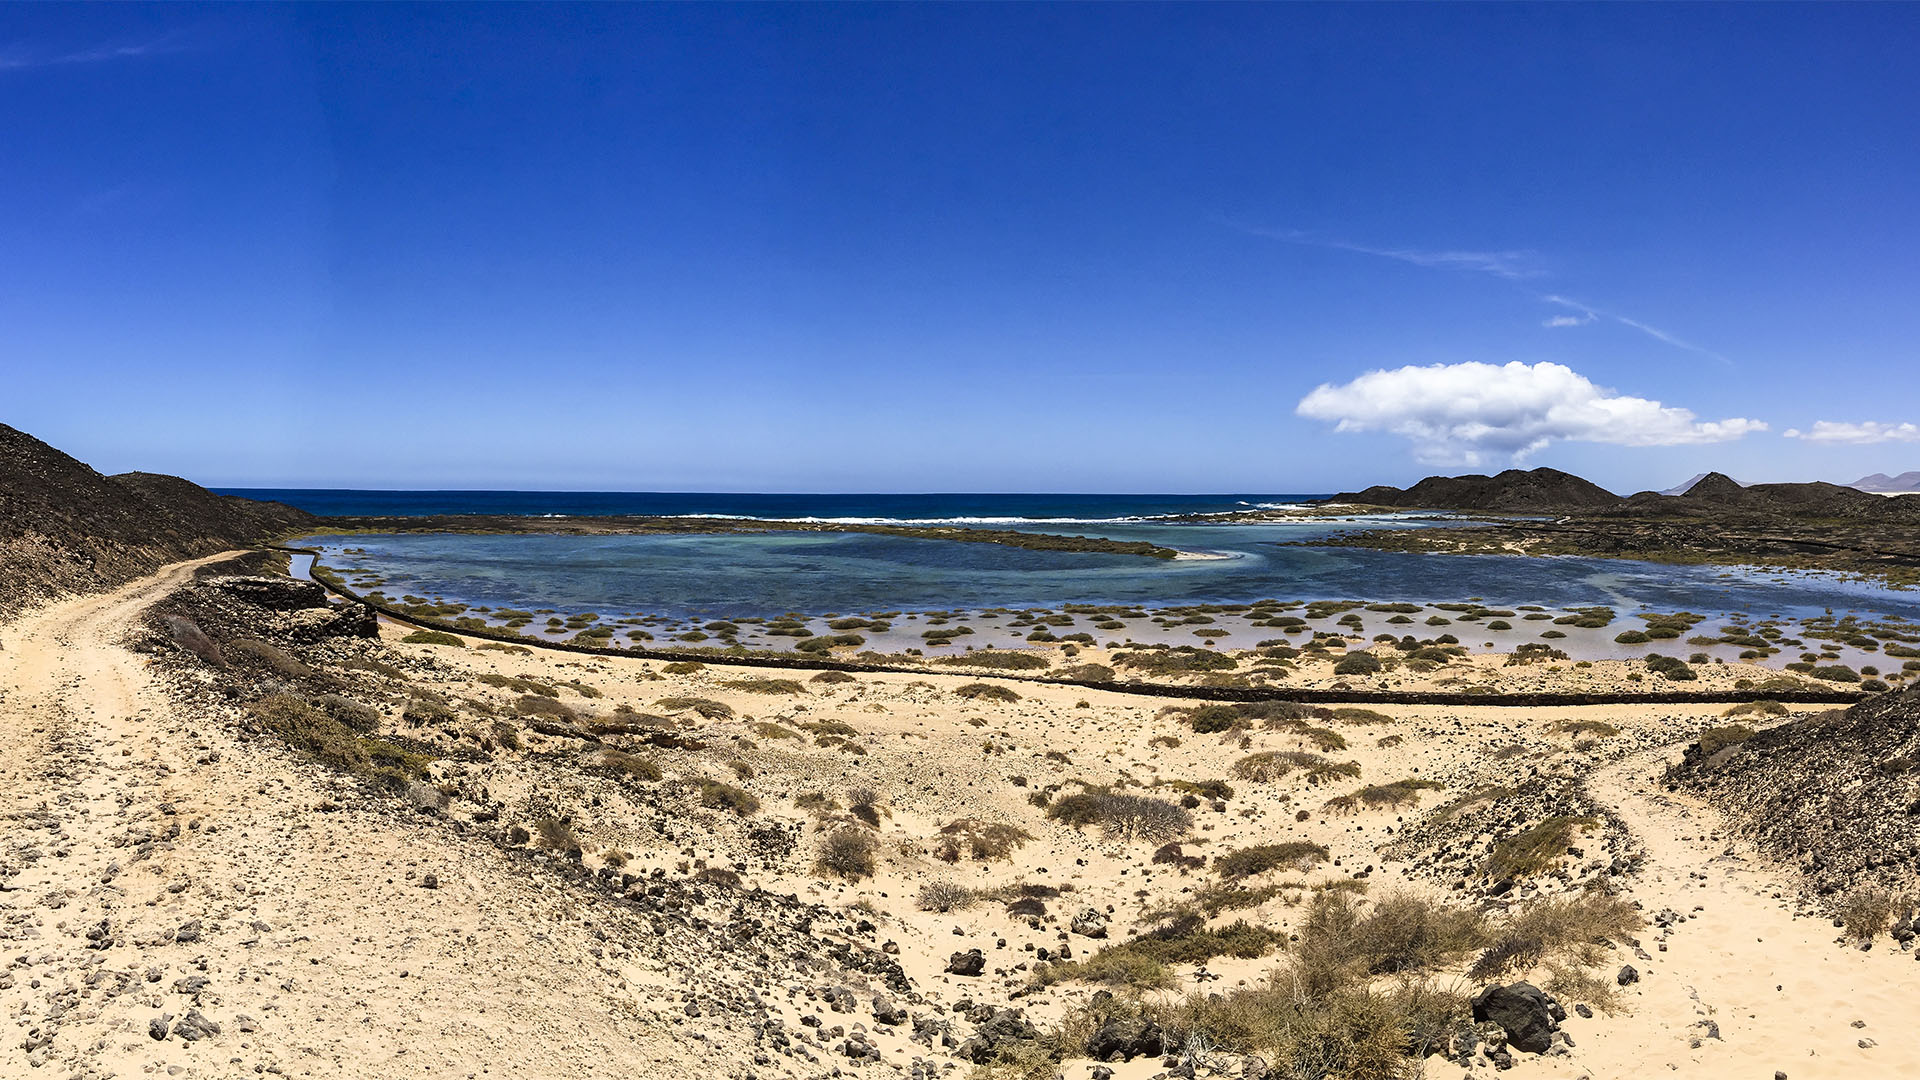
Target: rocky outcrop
(1836, 793)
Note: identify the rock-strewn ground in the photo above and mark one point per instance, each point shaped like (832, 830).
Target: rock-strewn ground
(466, 861)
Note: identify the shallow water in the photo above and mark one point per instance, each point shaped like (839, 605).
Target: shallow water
(710, 576)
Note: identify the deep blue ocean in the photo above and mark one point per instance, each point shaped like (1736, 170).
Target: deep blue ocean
(981, 509)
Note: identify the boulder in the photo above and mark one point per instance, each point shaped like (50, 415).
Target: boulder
(1089, 923)
(1123, 1039)
(969, 963)
(1522, 1011)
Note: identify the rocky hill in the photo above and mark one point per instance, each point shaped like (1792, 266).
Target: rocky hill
(1715, 495)
(1514, 491)
(1835, 793)
(1718, 494)
(65, 527)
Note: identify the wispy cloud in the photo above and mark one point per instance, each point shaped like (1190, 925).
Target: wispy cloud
(1557, 321)
(1585, 314)
(1512, 265)
(1861, 434)
(20, 57)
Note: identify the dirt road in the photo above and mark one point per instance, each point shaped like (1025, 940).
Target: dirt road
(174, 901)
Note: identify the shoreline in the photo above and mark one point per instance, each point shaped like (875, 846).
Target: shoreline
(1305, 695)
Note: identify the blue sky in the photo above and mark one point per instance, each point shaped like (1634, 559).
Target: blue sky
(993, 247)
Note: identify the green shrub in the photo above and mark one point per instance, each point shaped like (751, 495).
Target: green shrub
(1537, 849)
(715, 795)
(1006, 661)
(980, 691)
(1359, 663)
(336, 745)
(765, 686)
(1248, 862)
(1717, 738)
(433, 637)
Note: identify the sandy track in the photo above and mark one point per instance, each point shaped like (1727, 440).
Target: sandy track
(152, 864)
(1779, 990)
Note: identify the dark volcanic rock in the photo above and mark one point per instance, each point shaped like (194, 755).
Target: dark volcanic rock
(1516, 490)
(1521, 1010)
(971, 962)
(65, 527)
(1835, 793)
(1125, 1038)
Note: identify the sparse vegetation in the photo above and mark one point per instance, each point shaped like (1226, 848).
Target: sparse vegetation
(980, 691)
(847, 852)
(978, 839)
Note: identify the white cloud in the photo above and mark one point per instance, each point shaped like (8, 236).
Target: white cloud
(1557, 321)
(1833, 431)
(1462, 413)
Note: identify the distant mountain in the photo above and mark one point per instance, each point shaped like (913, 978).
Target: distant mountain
(1545, 491)
(1514, 491)
(1684, 488)
(66, 528)
(1906, 481)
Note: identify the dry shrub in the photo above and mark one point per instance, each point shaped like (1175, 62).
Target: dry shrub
(557, 835)
(1569, 930)
(863, 803)
(847, 852)
(833, 677)
(769, 730)
(979, 839)
(1121, 816)
(1719, 737)
(1183, 938)
(706, 708)
(716, 795)
(1869, 909)
(361, 718)
(1263, 858)
(518, 684)
(271, 657)
(1383, 796)
(1270, 765)
(1599, 729)
(945, 896)
(765, 686)
(188, 635)
(1332, 770)
(337, 745)
(537, 705)
(625, 764)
